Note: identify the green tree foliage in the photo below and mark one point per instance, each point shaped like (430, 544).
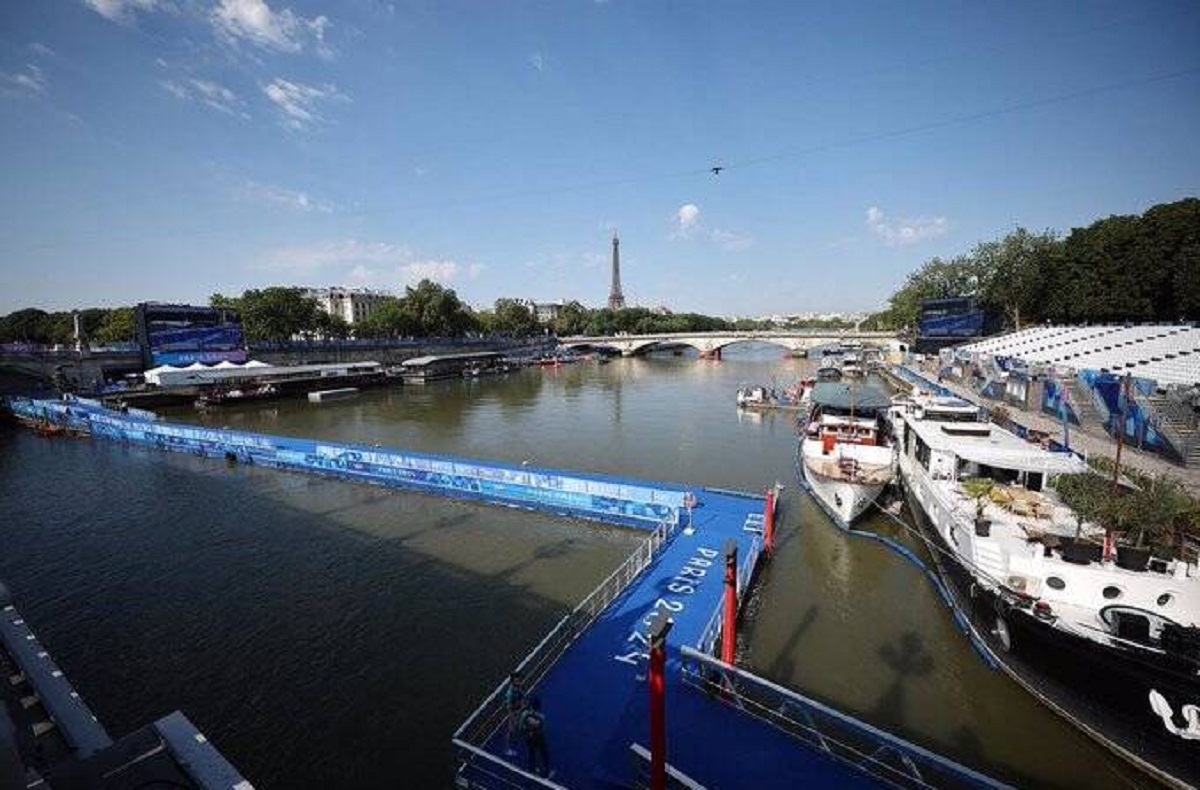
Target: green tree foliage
(275, 313)
(437, 311)
(118, 326)
(513, 317)
(1120, 268)
(38, 326)
(572, 320)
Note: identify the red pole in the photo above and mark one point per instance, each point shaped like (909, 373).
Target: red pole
(729, 633)
(658, 701)
(769, 532)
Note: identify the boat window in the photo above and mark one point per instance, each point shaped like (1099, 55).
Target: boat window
(923, 452)
(1165, 599)
(1111, 593)
(1055, 583)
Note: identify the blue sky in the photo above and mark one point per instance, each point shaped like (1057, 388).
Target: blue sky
(166, 149)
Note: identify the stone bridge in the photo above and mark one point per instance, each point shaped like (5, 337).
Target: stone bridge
(709, 344)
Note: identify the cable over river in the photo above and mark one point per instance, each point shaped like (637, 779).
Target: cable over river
(324, 633)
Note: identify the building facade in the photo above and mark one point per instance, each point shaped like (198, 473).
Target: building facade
(352, 305)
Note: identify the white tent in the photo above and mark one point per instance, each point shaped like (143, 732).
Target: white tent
(225, 364)
(254, 363)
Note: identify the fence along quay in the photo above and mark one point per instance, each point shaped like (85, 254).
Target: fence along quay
(725, 726)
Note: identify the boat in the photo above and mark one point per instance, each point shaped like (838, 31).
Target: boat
(829, 372)
(851, 365)
(795, 398)
(1105, 636)
(845, 449)
(236, 395)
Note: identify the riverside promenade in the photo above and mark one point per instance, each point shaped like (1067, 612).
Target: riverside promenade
(1091, 440)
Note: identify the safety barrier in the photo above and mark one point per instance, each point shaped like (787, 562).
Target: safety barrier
(712, 631)
(855, 743)
(594, 497)
(676, 779)
(484, 769)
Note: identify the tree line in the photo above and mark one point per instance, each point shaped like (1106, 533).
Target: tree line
(427, 309)
(1121, 268)
(98, 325)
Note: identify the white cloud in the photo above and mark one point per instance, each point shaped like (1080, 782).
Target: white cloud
(40, 49)
(211, 94)
(350, 251)
(730, 240)
(377, 264)
(298, 102)
(537, 61)
(438, 271)
(279, 197)
(283, 31)
(903, 231)
(120, 10)
(30, 80)
(686, 222)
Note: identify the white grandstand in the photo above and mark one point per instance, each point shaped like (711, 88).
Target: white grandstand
(1167, 353)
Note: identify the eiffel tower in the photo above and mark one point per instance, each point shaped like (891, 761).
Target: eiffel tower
(616, 299)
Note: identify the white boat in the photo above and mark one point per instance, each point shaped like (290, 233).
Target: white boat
(852, 365)
(795, 398)
(845, 451)
(1105, 636)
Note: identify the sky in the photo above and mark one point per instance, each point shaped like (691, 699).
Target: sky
(165, 150)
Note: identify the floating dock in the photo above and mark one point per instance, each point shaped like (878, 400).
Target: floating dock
(726, 728)
(322, 396)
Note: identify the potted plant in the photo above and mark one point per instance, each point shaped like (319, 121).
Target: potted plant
(979, 488)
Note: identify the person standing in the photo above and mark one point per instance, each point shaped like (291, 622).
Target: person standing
(533, 726)
(514, 701)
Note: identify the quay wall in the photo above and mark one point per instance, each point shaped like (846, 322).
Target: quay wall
(595, 497)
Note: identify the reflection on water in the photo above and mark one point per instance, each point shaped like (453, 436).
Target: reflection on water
(331, 634)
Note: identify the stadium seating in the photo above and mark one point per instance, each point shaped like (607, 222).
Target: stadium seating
(1167, 353)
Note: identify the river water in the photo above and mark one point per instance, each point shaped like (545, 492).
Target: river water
(327, 634)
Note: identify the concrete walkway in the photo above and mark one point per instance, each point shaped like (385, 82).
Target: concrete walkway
(1091, 439)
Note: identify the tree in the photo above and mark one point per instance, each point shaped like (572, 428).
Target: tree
(512, 317)
(278, 313)
(1011, 272)
(389, 319)
(572, 320)
(118, 326)
(437, 310)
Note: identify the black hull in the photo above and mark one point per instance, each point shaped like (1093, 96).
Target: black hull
(1100, 689)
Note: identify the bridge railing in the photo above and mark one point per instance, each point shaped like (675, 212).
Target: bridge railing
(478, 768)
(855, 743)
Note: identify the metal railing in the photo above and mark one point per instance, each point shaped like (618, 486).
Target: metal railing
(479, 769)
(712, 631)
(676, 779)
(854, 743)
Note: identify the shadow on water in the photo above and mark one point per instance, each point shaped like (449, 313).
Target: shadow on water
(906, 658)
(784, 663)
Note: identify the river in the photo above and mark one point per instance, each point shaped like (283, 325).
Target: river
(326, 634)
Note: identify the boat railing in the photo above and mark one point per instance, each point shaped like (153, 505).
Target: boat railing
(479, 768)
(712, 630)
(887, 758)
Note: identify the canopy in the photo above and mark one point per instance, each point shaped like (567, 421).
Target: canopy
(840, 396)
(1021, 459)
(225, 364)
(254, 363)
